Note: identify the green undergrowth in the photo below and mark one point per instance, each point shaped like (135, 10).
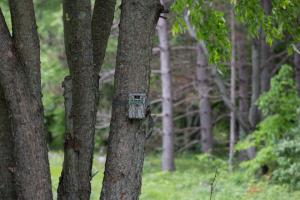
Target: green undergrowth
(192, 180)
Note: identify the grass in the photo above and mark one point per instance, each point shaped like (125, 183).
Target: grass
(191, 181)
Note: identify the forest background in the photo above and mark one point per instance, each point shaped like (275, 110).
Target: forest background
(235, 85)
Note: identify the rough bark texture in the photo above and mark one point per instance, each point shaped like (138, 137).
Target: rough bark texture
(124, 164)
(203, 86)
(7, 164)
(167, 103)
(32, 172)
(297, 69)
(26, 41)
(80, 143)
(102, 21)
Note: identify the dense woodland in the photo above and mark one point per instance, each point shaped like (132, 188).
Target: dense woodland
(149, 99)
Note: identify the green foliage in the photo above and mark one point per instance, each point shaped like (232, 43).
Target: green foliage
(273, 137)
(283, 19)
(191, 181)
(209, 25)
(53, 67)
(287, 152)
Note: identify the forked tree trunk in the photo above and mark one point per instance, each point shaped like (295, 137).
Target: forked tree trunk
(18, 76)
(124, 164)
(86, 40)
(7, 163)
(203, 86)
(167, 103)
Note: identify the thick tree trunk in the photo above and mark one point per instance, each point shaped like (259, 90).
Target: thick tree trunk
(167, 103)
(297, 69)
(232, 139)
(203, 85)
(7, 163)
(80, 140)
(30, 150)
(124, 164)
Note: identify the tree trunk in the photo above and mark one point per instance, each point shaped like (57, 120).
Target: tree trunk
(244, 78)
(124, 164)
(297, 69)
(79, 141)
(203, 85)
(102, 21)
(167, 103)
(266, 67)
(32, 172)
(86, 41)
(232, 91)
(7, 163)
(254, 114)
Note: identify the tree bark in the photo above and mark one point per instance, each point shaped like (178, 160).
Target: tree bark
(232, 139)
(79, 142)
(124, 164)
(203, 86)
(102, 21)
(266, 67)
(7, 162)
(297, 69)
(244, 74)
(86, 40)
(254, 114)
(203, 74)
(167, 103)
(32, 172)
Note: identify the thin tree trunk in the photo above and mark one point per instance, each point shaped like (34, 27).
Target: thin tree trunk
(232, 91)
(102, 21)
(203, 85)
(167, 103)
(124, 164)
(80, 141)
(254, 114)
(244, 76)
(266, 68)
(203, 74)
(30, 150)
(297, 69)
(7, 163)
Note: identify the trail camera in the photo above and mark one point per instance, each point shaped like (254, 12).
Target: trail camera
(137, 106)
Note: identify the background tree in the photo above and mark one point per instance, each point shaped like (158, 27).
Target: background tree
(167, 99)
